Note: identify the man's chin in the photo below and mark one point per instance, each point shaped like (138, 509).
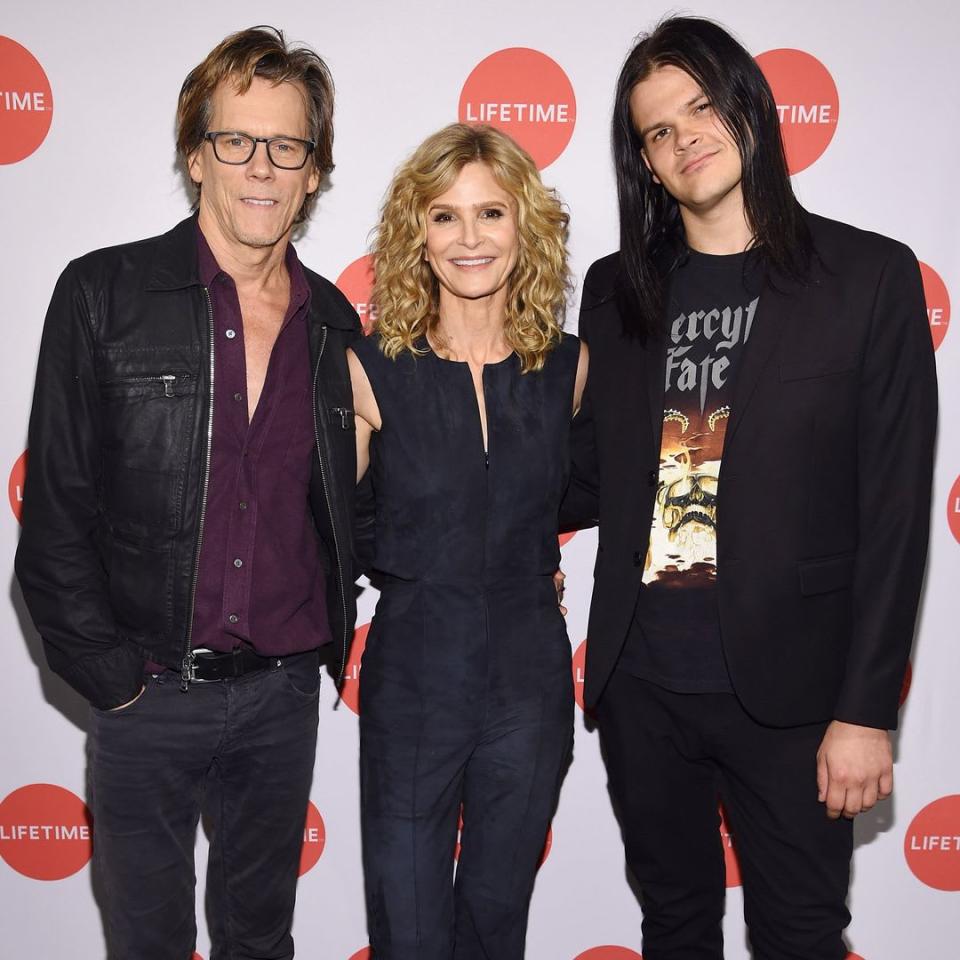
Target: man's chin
(260, 240)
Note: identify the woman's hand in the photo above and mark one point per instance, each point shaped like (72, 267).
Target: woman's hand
(558, 579)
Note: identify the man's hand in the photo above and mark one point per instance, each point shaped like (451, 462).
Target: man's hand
(558, 579)
(129, 703)
(854, 768)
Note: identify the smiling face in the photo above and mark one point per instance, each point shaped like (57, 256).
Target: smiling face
(685, 145)
(472, 241)
(254, 204)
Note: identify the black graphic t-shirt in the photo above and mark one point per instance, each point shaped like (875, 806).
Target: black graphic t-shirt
(675, 640)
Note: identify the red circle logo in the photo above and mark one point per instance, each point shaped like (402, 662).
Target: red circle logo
(356, 284)
(363, 954)
(730, 860)
(579, 666)
(854, 956)
(18, 476)
(350, 688)
(938, 303)
(608, 953)
(26, 102)
(196, 956)
(932, 844)
(807, 102)
(314, 839)
(46, 832)
(526, 95)
(905, 686)
(953, 509)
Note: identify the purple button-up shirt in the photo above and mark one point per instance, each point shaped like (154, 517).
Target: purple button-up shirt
(260, 579)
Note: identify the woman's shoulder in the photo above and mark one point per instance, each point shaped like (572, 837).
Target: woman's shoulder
(569, 349)
(382, 369)
(562, 360)
(367, 348)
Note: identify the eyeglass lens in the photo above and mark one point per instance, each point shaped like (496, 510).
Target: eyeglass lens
(237, 148)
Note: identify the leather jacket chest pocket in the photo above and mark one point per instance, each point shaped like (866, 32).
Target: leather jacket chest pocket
(148, 403)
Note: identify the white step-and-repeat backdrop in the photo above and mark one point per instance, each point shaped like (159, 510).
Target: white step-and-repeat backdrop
(867, 97)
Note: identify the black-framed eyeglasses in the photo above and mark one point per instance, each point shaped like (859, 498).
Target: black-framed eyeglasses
(236, 147)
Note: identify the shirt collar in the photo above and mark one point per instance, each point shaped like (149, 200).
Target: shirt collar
(209, 270)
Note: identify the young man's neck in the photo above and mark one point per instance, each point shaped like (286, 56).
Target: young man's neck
(719, 231)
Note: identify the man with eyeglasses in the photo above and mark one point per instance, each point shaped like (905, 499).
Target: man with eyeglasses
(187, 521)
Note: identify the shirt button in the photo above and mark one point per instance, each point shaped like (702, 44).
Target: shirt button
(238, 396)
(243, 504)
(238, 562)
(233, 618)
(231, 334)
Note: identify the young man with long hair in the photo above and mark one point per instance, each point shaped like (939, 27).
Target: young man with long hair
(756, 441)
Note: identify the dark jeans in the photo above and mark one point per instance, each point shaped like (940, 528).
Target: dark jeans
(240, 752)
(670, 759)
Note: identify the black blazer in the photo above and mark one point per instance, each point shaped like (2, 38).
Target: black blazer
(824, 489)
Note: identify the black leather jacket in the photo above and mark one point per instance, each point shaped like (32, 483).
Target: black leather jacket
(119, 447)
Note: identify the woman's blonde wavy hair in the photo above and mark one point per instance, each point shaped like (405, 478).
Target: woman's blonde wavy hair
(406, 291)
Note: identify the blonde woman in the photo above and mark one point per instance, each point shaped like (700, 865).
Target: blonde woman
(463, 398)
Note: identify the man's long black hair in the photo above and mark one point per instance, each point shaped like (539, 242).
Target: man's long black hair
(652, 240)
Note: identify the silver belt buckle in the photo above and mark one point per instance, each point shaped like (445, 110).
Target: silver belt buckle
(192, 675)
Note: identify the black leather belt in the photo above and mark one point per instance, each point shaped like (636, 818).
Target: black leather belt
(208, 666)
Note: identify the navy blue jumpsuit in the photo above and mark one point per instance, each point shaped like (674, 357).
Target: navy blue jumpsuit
(466, 689)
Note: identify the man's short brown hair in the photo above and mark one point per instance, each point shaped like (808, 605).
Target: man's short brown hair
(257, 52)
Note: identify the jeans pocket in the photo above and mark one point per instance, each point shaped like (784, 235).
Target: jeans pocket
(301, 673)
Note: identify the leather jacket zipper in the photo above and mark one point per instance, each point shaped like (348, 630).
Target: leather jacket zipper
(187, 663)
(326, 494)
(167, 379)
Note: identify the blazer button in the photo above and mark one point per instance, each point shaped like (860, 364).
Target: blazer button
(637, 558)
(652, 478)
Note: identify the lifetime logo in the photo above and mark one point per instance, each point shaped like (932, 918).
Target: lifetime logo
(931, 844)
(356, 284)
(578, 666)
(905, 685)
(15, 483)
(314, 839)
(350, 688)
(953, 509)
(938, 303)
(45, 832)
(808, 104)
(730, 860)
(527, 95)
(26, 102)
(608, 952)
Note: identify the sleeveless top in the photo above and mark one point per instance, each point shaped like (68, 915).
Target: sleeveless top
(446, 510)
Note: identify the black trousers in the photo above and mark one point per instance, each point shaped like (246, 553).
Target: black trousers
(239, 751)
(466, 706)
(671, 758)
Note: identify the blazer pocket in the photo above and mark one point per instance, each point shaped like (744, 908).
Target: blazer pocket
(826, 575)
(823, 367)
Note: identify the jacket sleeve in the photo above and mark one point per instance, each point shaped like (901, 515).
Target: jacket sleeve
(59, 568)
(581, 502)
(897, 413)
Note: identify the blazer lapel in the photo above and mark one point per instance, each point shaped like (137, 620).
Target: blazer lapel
(769, 322)
(655, 359)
